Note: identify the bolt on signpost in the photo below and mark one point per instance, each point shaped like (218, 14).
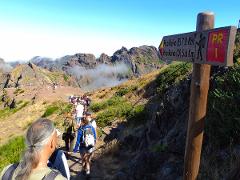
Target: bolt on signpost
(204, 47)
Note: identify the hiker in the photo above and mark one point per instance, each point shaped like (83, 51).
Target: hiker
(70, 98)
(86, 141)
(73, 100)
(88, 116)
(41, 141)
(79, 112)
(54, 86)
(88, 101)
(69, 133)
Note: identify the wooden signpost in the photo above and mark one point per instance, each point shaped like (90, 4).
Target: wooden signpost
(204, 47)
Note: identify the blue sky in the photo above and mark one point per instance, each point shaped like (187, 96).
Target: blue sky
(55, 28)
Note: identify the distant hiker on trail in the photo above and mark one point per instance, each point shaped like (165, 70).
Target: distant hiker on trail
(69, 133)
(79, 112)
(54, 87)
(70, 99)
(73, 100)
(41, 142)
(87, 102)
(86, 141)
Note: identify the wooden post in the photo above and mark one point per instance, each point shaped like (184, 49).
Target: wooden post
(198, 105)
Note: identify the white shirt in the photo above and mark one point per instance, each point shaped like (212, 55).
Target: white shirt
(79, 110)
(94, 125)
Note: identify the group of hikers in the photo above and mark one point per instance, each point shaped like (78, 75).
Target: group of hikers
(42, 159)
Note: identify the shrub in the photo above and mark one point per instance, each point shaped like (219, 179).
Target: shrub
(223, 116)
(138, 115)
(11, 151)
(57, 107)
(50, 110)
(236, 54)
(172, 75)
(66, 108)
(65, 77)
(120, 110)
(125, 90)
(102, 105)
(18, 91)
(159, 148)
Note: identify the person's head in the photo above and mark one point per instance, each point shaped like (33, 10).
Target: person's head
(85, 121)
(41, 141)
(88, 116)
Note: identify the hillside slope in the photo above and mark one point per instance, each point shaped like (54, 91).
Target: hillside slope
(144, 120)
(142, 125)
(147, 124)
(32, 75)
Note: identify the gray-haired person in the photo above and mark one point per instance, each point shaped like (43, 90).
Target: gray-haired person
(41, 141)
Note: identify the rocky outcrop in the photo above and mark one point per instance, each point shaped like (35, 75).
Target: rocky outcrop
(104, 59)
(154, 150)
(162, 141)
(83, 60)
(29, 75)
(140, 60)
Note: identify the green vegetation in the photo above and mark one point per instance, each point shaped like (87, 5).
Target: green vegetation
(236, 54)
(115, 100)
(7, 111)
(223, 116)
(172, 75)
(114, 111)
(159, 148)
(118, 108)
(65, 77)
(57, 107)
(138, 115)
(18, 91)
(10, 152)
(125, 90)
(50, 110)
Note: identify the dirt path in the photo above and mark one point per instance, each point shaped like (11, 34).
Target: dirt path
(104, 164)
(75, 165)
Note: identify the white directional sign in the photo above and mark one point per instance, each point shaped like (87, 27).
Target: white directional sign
(213, 46)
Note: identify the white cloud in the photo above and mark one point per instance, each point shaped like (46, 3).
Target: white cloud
(19, 43)
(102, 75)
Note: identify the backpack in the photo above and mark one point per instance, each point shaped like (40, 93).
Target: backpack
(9, 173)
(88, 137)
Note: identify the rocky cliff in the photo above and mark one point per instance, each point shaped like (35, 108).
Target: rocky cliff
(138, 61)
(29, 75)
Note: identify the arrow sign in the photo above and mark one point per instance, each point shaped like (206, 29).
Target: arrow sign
(213, 47)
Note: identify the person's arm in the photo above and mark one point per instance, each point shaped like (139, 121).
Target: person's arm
(78, 141)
